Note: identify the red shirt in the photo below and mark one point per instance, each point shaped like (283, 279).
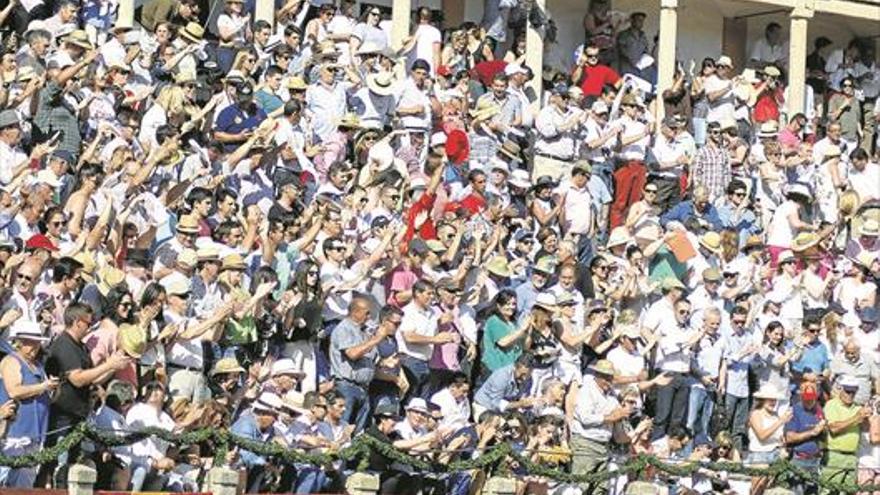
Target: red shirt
(473, 203)
(427, 230)
(596, 76)
(767, 106)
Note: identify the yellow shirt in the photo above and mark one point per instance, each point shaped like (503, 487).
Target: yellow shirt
(848, 440)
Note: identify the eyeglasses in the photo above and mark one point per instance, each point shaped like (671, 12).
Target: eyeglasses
(25, 276)
(592, 55)
(650, 191)
(56, 224)
(739, 194)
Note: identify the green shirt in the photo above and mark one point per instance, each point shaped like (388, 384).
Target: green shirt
(848, 440)
(494, 356)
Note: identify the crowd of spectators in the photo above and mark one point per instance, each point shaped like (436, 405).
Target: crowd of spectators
(300, 233)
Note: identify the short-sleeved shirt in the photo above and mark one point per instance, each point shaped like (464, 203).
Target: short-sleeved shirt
(66, 355)
(345, 336)
(595, 77)
(234, 120)
(814, 359)
(494, 356)
(848, 440)
(801, 421)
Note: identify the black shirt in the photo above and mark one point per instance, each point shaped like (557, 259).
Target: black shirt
(71, 405)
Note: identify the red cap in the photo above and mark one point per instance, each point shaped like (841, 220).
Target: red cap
(40, 241)
(458, 147)
(808, 391)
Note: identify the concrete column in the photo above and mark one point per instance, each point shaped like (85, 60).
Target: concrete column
(81, 480)
(497, 485)
(734, 38)
(222, 481)
(265, 11)
(535, 51)
(362, 484)
(401, 16)
(797, 55)
(667, 42)
(125, 14)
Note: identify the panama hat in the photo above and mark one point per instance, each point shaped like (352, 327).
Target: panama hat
(192, 32)
(618, 237)
(768, 129)
(349, 120)
(498, 266)
(604, 367)
(510, 149)
(297, 83)
(27, 330)
(545, 300)
(799, 189)
(381, 83)
(753, 242)
(268, 403)
(368, 48)
(768, 391)
(670, 283)
(519, 178)
(711, 241)
(25, 73)
(870, 228)
(132, 340)
(785, 257)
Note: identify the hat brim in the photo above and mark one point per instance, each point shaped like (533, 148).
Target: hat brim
(183, 33)
(717, 250)
(519, 184)
(379, 90)
(601, 371)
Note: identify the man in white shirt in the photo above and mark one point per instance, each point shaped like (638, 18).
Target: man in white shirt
(425, 43)
(149, 461)
(672, 156)
(557, 125)
(597, 410)
(413, 103)
(418, 334)
(577, 205)
(771, 49)
(517, 78)
(453, 402)
(864, 176)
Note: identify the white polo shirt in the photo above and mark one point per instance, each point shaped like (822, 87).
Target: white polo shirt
(422, 322)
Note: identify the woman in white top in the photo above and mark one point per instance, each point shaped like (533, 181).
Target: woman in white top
(233, 31)
(855, 291)
(787, 220)
(766, 429)
(787, 289)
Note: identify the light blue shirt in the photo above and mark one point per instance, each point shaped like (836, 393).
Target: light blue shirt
(738, 369)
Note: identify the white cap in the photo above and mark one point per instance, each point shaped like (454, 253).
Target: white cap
(47, 177)
(599, 106)
(512, 69)
(438, 138)
(849, 381)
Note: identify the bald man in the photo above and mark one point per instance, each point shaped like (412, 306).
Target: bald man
(850, 361)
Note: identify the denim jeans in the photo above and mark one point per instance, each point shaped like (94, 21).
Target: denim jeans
(701, 405)
(309, 479)
(418, 372)
(357, 404)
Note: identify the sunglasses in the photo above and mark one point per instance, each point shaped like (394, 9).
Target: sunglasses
(25, 276)
(650, 191)
(739, 194)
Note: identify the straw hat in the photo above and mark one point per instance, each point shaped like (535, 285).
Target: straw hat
(188, 225)
(350, 120)
(768, 129)
(753, 242)
(485, 109)
(297, 83)
(79, 38)
(132, 340)
(498, 266)
(192, 32)
(805, 241)
(711, 241)
(233, 261)
(87, 272)
(109, 277)
(847, 203)
(227, 365)
(604, 367)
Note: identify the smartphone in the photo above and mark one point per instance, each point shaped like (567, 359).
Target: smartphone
(55, 139)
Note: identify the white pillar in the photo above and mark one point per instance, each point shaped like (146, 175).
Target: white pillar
(400, 19)
(535, 51)
(81, 480)
(797, 56)
(362, 484)
(265, 11)
(666, 50)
